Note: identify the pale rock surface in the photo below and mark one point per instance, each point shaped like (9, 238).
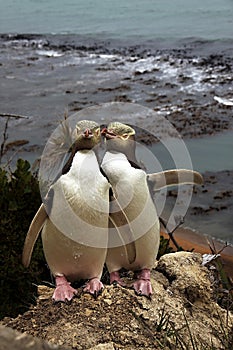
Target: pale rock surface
(13, 340)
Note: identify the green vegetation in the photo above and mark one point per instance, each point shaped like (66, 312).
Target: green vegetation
(19, 200)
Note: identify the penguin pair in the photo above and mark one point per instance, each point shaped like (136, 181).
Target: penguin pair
(83, 222)
(74, 218)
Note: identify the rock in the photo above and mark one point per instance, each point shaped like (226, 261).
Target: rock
(11, 339)
(186, 275)
(182, 311)
(108, 346)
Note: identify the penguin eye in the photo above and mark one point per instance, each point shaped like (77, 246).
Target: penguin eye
(125, 136)
(97, 131)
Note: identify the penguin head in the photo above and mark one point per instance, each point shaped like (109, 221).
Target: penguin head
(120, 138)
(86, 135)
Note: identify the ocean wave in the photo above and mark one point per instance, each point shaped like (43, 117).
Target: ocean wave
(49, 53)
(185, 48)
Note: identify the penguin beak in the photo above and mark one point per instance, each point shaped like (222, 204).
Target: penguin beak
(87, 134)
(104, 131)
(109, 134)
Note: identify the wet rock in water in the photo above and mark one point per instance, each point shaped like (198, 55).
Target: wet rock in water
(16, 143)
(182, 310)
(122, 98)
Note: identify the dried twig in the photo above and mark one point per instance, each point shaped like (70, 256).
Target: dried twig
(170, 233)
(10, 115)
(213, 248)
(8, 162)
(3, 147)
(224, 278)
(5, 137)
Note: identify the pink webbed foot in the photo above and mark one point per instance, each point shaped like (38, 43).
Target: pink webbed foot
(63, 291)
(94, 287)
(116, 279)
(142, 285)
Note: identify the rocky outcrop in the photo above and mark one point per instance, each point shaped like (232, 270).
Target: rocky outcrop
(11, 339)
(181, 313)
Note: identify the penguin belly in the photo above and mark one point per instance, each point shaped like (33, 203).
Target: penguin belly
(69, 258)
(146, 252)
(130, 186)
(75, 235)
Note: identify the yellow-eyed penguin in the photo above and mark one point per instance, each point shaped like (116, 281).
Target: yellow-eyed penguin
(75, 233)
(131, 186)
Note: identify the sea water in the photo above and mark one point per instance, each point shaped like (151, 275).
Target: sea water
(147, 19)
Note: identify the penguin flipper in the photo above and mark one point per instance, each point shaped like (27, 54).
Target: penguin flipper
(174, 177)
(130, 246)
(33, 233)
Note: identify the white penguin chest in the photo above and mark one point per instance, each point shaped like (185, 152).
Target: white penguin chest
(127, 182)
(131, 190)
(84, 181)
(80, 206)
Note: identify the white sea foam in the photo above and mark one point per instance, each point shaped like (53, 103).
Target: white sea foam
(49, 53)
(142, 65)
(224, 101)
(78, 59)
(169, 71)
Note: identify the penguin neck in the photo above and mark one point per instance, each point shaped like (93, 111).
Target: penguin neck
(68, 164)
(83, 160)
(130, 154)
(128, 149)
(115, 164)
(115, 155)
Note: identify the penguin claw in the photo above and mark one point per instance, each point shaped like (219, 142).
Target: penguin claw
(116, 280)
(64, 293)
(94, 287)
(143, 287)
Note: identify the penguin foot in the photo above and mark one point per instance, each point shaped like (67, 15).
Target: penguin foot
(116, 279)
(63, 291)
(94, 287)
(142, 285)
